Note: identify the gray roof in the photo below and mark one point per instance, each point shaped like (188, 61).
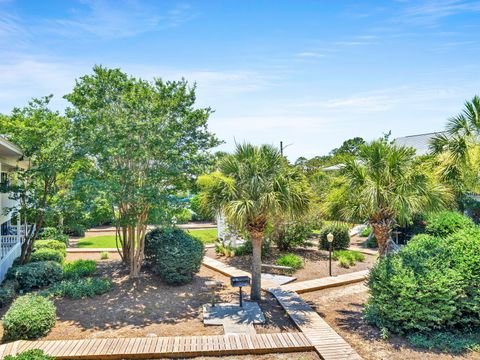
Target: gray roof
(421, 142)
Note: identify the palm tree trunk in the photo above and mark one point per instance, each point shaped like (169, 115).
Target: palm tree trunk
(382, 231)
(255, 290)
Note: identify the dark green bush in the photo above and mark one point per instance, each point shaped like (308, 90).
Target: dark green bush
(36, 275)
(446, 223)
(8, 291)
(51, 244)
(199, 214)
(341, 238)
(51, 233)
(46, 254)
(431, 284)
(29, 317)
(287, 235)
(33, 354)
(79, 268)
(80, 288)
(75, 230)
(173, 254)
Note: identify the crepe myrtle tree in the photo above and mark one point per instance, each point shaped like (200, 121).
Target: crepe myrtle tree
(385, 185)
(44, 137)
(147, 140)
(252, 186)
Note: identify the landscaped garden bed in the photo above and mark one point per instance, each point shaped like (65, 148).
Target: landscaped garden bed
(316, 263)
(148, 307)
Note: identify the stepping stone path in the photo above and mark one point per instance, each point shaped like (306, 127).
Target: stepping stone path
(233, 318)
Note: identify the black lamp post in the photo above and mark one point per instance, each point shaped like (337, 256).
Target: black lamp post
(330, 243)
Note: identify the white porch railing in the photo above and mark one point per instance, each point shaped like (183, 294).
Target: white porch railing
(10, 249)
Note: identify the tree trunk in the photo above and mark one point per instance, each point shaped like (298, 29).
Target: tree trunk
(255, 290)
(382, 231)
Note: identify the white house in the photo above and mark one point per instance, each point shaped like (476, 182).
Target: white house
(12, 230)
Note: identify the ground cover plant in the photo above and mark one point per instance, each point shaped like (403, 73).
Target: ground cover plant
(291, 260)
(79, 268)
(173, 254)
(51, 244)
(347, 258)
(33, 354)
(30, 317)
(78, 288)
(46, 254)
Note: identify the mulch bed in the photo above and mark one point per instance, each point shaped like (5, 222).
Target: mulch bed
(316, 263)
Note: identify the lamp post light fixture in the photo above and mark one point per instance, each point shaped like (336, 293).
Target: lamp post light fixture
(330, 243)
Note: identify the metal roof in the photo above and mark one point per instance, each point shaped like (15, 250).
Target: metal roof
(421, 142)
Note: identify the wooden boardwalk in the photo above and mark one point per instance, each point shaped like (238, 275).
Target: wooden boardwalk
(326, 282)
(328, 344)
(164, 347)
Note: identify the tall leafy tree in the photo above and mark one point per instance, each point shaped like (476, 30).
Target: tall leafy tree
(45, 139)
(458, 149)
(252, 186)
(147, 140)
(385, 185)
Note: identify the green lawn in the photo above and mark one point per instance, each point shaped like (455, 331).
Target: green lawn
(207, 236)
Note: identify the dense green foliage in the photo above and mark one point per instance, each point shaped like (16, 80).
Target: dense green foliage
(51, 244)
(78, 288)
(448, 341)
(52, 233)
(29, 317)
(431, 284)
(446, 223)
(8, 291)
(199, 213)
(47, 254)
(36, 275)
(79, 268)
(291, 260)
(287, 235)
(33, 354)
(347, 258)
(341, 238)
(173, 254)
(366, 231)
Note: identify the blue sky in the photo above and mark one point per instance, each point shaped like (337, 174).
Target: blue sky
(310, 73)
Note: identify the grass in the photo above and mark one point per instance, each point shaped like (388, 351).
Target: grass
(208, 236)
(347, 258)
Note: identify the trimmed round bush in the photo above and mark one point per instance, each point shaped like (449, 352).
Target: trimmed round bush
(33, 354)
(341, 238)
(51, 244)
(173, 254)
(46, 254)
(36, 275)
(79, 268)
(431, 284)
(29, 317)
(445, 223)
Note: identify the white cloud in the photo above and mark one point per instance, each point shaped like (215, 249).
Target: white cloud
(429, 12)
(309, 54)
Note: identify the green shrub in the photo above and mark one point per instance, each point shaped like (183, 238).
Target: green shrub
(247, 249)
(46, 254)
(366, 231)
(81, 288)
(448, 342)
(446, 223)
(79, 268)
(291, 260)
(287, 235)
(341, 238)
(36, 275)
(347, 258)
(104, 255)
(173, 254)
(199, 213)
(8, 291)
(51, 244)
(29, 317)
(33, 354)
(75, 230)
(51, 233)
(372, 243)
(432, 284)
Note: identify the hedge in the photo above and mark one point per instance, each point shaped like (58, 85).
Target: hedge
(51, 244)
(341, 238)
(36, 275)
(46, 254)
(446, 223)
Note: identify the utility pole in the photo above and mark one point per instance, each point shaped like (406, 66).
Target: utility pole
(281, 148)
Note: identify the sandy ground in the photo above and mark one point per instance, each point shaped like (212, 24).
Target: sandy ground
(342, 308)
(316, 263)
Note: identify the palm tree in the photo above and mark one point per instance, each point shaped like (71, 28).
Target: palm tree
(385, 185)
(458, 150)
(252, 186)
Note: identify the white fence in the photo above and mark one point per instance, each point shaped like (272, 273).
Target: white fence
(11, 248)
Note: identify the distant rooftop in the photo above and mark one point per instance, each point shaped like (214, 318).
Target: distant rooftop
(421, 142)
